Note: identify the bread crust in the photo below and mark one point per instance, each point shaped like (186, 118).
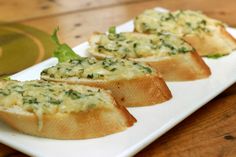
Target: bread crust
(220, 42)
(180, 67)
(141, 91)
(80, 125)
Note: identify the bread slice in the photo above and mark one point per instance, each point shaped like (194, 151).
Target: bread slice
(208, 36)
(131, 83)
(175, 59)
(60, 110)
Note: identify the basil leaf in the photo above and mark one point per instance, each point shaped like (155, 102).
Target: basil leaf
(62, 52)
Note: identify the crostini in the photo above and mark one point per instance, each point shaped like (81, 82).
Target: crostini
(175, 59)
(208, 36)
(131, 83)
(60, 110)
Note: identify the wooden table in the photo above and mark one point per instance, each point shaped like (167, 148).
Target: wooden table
(211, 131)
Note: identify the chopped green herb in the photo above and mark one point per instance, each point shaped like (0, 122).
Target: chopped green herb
(4, 93)
(149, 70)
(183, 50)
(124, 56)
(120, 37)
(203, 22)
(146, 69)
(51, 90)
(94, 75)
(91, 61)
(112, 30)
(165, 44)
(18, 89)
(77, 95)
(54, 101)
(35, 85)
(73, 94)
(44, 72)
(215, 56)
(67, 69)
(108, 62)
(52, 75)
(135, 45)
(188, 24)
(30, 100)
(126, 49)
(75, 61)
(113, 69)
(90, 76)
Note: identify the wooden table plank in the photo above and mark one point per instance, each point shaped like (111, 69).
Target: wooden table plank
(223, 10)
(18, 10)
(78, 26)
(9, 152)
(208, 132)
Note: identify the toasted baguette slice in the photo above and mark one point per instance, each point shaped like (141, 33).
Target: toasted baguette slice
(174, 58)
(180, 67)
(208, 36)
(131, 83)
(60, 110)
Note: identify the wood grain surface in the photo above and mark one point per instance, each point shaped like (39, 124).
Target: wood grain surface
(210, 131)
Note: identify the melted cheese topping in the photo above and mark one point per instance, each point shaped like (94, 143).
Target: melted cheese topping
(179, 22)
(135, 45)
(90, 68)
(43, 97)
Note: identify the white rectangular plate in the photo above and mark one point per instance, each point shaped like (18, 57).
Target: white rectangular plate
(153, 121)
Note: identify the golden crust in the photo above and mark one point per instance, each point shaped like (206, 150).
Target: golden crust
(181, 67)
(220, 42)
(81, 125)
(142, 91)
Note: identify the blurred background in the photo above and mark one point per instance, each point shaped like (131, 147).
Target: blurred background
(25, 25)
(79, 18)
(25, 28)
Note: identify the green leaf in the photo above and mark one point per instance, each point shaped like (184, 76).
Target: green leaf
(63, 52)
(7, 78)
(215, 56)
(54, 36)
(112, 30)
